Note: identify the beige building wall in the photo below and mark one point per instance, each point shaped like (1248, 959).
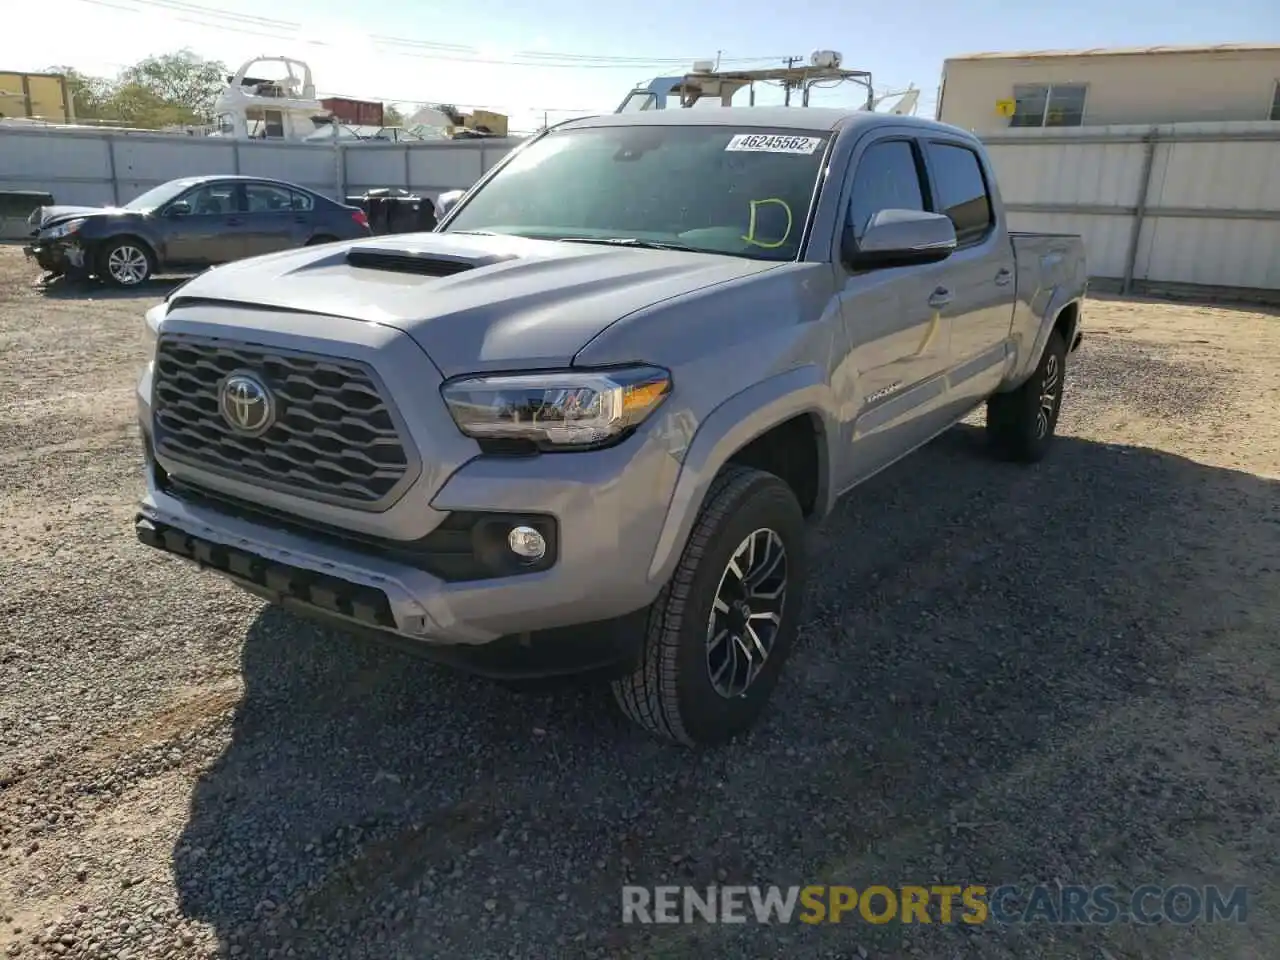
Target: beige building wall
(1131, 87)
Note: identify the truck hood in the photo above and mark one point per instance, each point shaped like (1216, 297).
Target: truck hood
(472, 302)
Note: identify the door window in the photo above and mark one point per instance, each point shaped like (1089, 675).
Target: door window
(265, 198)
(212, 199)
(962, 190)
(888, 178)
(300, 201)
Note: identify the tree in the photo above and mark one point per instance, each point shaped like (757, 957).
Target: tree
(136, 106)
(453, 113)
(161, 91)
(391, 116)
(182, 80)
(90, 96)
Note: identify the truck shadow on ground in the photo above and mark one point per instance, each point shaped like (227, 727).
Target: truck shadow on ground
(967, 618)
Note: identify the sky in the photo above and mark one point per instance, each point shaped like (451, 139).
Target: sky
(559, 58)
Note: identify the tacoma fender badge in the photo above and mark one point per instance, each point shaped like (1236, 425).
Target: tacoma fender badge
(881, 394)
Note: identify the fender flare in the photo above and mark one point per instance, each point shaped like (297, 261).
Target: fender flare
(1059, 300)
(727, 429)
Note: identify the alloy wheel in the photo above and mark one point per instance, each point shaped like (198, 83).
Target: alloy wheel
(127, 265)
(1049, 390)
(746, 615)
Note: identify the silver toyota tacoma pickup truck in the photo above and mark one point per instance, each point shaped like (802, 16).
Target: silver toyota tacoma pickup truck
(582, 425)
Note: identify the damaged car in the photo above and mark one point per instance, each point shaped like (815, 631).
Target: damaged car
(184, 226)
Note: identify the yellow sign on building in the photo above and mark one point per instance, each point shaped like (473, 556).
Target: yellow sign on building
(1005, 107)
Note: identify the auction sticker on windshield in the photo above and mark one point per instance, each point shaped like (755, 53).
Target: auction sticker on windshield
(773, 143)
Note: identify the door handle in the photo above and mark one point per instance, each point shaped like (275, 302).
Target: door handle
(1003, 276)
(940, 298)
(234, 221)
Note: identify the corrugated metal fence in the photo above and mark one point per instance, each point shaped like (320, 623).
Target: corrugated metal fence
(99, 167)
(1192, 205)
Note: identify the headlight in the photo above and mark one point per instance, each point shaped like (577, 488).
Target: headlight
(62, 229)
(155, 320)
(569, 410)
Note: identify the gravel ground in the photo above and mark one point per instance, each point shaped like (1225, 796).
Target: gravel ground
(1066, 674)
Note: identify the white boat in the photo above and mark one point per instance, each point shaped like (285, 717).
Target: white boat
(280, 108)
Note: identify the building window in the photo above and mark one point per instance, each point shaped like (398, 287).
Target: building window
(1048, 105)
(1275, 102)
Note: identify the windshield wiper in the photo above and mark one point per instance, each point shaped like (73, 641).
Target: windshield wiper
(635, 242)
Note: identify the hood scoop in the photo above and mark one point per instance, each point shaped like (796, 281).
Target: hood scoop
(423, 263)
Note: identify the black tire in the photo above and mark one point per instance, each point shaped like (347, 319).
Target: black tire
(1021, 424)
(323, 238)
(670, 691)
(125, 263)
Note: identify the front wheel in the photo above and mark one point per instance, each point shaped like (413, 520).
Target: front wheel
(718, 634)
(125, 263)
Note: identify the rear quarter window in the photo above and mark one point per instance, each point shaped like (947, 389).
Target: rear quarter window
(962, 190)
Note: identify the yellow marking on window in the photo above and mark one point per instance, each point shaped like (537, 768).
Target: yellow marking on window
(751, 226)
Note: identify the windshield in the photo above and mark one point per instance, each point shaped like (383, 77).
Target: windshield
(158, 196)
(707, 188)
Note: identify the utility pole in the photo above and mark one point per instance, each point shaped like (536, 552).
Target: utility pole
(791, 62)
(718, 55)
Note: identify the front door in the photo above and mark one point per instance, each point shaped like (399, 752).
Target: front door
(206, 233)
(892, 382)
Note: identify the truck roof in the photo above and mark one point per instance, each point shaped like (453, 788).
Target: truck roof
(784, 118)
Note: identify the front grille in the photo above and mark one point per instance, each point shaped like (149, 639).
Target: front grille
(334, 437)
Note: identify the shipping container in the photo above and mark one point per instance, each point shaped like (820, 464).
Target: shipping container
(41, 96)
(365, 113)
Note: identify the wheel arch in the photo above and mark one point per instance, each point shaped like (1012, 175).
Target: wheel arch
(783, 425)
(103, 244)
(1063, 314)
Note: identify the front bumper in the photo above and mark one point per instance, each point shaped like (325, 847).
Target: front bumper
(56, 256)
(603, 546)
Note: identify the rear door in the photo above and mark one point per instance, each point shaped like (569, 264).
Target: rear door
(980, 274)
(271, 221)
(893, 379)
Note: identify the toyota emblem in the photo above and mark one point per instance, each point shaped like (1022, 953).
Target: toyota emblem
(246, 404)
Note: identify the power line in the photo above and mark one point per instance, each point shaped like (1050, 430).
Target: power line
(422, 49)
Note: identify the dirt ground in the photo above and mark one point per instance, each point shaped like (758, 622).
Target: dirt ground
(1066, 674)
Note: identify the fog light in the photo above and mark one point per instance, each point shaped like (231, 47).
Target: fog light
(527, 543)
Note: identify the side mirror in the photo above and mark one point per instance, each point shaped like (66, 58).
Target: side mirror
(447, 201)
(179, 208)
(897, 238)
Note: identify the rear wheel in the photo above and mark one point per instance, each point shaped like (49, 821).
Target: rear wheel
(720, 631)
(125, 263)
(1021, 423)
